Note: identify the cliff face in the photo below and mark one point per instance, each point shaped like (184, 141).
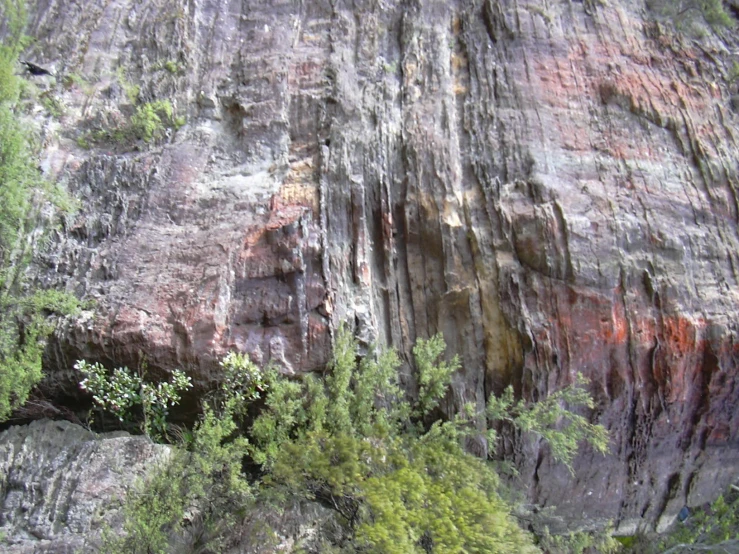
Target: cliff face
(553, 186)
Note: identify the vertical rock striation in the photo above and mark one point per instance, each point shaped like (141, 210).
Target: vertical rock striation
(552, 185)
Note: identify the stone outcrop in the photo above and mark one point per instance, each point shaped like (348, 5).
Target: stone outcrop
(60, 484)
(551, 185)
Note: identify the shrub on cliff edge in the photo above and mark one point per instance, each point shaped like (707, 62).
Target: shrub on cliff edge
(24, 313)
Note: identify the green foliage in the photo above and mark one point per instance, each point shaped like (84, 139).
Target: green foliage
(552, 419)
(23, 314)
(391, 68)
(170, 66)
(397, 482)
(195, 497)
(434, 374)
(122, 391)
(52, 104)
(130, 90)
(15, 14)
(352, 442)
(24, 326)
(151, 119)
(733, 73)
(149, 123)
(684, 13)
(580, 542)
(353, 400)
(242, 381)
(434, 497)
(710, 528)
(75, 79)
(192, 499)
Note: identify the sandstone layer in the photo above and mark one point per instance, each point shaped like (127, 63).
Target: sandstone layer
(552, 185)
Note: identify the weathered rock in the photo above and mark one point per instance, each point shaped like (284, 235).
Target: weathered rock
(60, 484)
(553, 187)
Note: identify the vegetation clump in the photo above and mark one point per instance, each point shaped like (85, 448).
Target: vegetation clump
(123, 391)
(400, 480)
(196, 496)
(24, 323)
(396, 476)
(150, 121)
(710, 528)
(685, 14)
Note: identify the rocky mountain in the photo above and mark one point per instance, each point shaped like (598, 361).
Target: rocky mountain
(550, 184)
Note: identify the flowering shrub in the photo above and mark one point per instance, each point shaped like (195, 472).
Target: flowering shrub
(122, 391)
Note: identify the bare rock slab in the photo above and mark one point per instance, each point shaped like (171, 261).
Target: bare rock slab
(59, 484)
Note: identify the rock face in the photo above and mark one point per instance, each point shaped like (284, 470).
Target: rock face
(59, 484)
(62, 488)
(551, 185)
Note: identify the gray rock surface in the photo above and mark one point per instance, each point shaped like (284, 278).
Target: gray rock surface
(60, 484)
(552, 185)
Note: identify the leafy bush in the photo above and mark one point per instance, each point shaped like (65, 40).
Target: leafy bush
(242, 381)
(194, 498)
(352, 441)
(151, 119)
(24, 326)
(149, 123)
(397, 480)
(123, 390)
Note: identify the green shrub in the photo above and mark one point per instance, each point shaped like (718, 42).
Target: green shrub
(397, 480)
(191, 499)
(398, 483)
(195, 497)
(24, 326)
(122, 391)
(149, 123)
(553, 420)
(151, 120)
(242, 381)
